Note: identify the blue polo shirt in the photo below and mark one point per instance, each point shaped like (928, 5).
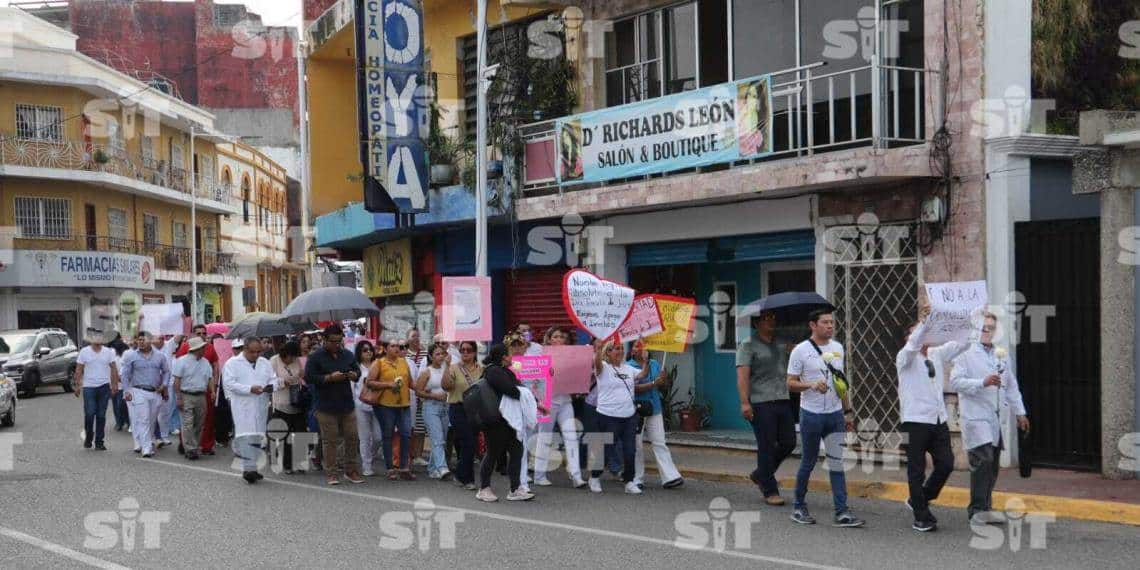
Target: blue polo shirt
(652, 396)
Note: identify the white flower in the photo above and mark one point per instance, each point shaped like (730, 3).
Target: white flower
(829, 356)
(1000, 352)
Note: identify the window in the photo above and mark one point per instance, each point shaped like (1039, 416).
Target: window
(150, 231)
(116, 145)
(53, 341)
(180, 237)
(680, 32)
(633, 62)
(176, 157)
(117, 226)
(146, 146)
(763, 37)
(206, 174)
(43, 217)
(39, 123)
(210, 238)
(245, 200)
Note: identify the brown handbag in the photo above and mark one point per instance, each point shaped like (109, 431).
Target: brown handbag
(368, 395)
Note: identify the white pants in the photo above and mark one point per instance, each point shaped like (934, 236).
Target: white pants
(143, 409)
(563, 415)
(165, 413)
(368, 432)
(655, 430)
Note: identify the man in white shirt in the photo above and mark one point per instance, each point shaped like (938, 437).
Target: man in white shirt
(815, 369)
(145, 375)
(193, 379)
(987, 389)
(97, 379)
(923, 415)
(248, 380)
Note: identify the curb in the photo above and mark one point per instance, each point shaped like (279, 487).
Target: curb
(955, 497)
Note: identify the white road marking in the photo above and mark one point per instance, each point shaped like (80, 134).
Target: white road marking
(60, 550)
(519, 520)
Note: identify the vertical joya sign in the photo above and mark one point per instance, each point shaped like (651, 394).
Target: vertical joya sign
(392, 99)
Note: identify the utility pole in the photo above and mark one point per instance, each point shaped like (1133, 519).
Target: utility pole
(482, 84)
(193, 231)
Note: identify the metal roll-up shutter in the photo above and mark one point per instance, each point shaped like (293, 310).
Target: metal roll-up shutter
(774, 246)
(668, 253)
(534, 296)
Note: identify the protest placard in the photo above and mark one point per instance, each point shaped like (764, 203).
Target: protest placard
(644, 319)
(466, 309)
(571, 366)
(161, 320)
(955, 311)
(534, 373)
(597, 305)
(677, 314)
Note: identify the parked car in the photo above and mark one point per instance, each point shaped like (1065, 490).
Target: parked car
(34, 357)
(7, 402)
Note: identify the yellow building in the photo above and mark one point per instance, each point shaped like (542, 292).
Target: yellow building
(331, 81)
(112, 191)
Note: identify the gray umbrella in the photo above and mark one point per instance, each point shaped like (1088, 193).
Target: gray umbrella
(264, 324)
(791, 306)
(329, 304)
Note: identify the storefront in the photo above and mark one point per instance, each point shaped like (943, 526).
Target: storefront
(69, 290)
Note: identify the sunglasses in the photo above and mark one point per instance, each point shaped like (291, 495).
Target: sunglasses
(466, 350)
(399, 346)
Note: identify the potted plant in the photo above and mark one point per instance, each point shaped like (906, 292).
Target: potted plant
(444, 152)
(694, 415)
(100, 156)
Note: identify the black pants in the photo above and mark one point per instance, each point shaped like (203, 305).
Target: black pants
(464, 443)
(985, 463)
(774, 425)
(501, 439)
(624, 430)
(922, 439)
(297, 423)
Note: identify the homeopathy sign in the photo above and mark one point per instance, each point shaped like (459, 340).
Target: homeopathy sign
(393, 100)
(723, 123)
(50, 268)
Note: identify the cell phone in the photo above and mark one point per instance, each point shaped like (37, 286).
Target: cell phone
(267, 388)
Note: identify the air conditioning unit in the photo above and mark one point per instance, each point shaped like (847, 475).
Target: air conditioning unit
(172, 261)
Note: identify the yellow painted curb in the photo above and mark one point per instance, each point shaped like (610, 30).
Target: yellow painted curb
(959, 497)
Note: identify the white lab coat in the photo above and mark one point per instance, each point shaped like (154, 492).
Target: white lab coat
(920, 396)
(521, 414)
(250, 410)
(984, 410)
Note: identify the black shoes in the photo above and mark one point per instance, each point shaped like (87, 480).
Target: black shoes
(924, 526)
(100, 447)
(251, 477)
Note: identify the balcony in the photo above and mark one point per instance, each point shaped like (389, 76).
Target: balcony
(99, 164)
(854, 113)
(166, 257)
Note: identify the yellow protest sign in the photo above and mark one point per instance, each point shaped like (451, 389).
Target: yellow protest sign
(388, 268)
(677, 314)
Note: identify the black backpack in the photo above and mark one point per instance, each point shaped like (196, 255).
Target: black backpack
(481, 404)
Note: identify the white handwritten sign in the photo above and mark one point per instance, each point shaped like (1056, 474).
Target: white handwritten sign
(597, 305)
(955, 311)
(644, 319)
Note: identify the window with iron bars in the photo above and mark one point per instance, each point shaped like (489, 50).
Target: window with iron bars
(117, 227)
(150, 231)
(181, 238)
(45, 218)
(39, 122)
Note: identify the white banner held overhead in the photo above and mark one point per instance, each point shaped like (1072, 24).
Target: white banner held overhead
(955, 311)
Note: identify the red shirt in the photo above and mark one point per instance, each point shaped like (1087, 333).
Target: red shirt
(210, 354)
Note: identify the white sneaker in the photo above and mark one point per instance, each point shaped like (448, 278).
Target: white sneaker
(444, 474)
(166, 442)
(486, 495)
(368, 473)
(524, 489)
(520, 495)
(420, 462)
(434, 475)
(631, 488)
(577, 481)
(543, 482)
(595, 485)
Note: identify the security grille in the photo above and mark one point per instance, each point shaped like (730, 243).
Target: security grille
(39, 123)
(150, 231)
(43, 217)
(874, 285)
(117, 227)
(181, 239)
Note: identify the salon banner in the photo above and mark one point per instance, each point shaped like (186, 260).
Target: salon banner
(722, 123)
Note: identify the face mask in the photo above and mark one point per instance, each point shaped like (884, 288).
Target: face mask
(526, 336)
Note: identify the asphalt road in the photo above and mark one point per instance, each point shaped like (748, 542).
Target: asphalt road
(60, 508)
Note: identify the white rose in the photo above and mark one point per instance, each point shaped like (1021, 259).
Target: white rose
(829, 356)
(1000, 352)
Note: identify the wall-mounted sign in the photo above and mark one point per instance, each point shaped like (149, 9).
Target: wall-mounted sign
(723, 123)
(88, 269)
(393, 104)
(388, 268)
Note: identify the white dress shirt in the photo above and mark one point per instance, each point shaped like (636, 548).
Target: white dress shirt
(250, 410)
(982, 407)
(920, 394)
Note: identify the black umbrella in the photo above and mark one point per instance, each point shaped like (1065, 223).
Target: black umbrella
(790, 307)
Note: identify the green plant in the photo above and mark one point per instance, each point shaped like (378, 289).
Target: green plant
(100, 156)
(441, 147)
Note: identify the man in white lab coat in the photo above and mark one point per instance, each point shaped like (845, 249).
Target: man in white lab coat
(248, 380)
(987, 393)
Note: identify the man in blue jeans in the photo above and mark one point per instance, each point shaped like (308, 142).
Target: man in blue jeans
(814, 367)
(97, 379)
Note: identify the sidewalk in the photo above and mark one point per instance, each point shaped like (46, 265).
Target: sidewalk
(1068, 494)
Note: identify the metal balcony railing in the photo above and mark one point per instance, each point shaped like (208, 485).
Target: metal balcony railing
(169, 257)
(91, 157)
(879, 106)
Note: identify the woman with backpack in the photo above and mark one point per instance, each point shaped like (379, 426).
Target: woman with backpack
(461, 377)
(501, 437)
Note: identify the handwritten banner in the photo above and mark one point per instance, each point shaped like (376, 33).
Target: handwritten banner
(161, 320)
(955, 311)
(597, 305)
(572, 365)
(534, 373)
(644, 319)
(677, 314)
(466, 310)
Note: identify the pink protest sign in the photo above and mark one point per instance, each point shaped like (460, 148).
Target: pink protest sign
(644, 320)
(224, 349)
(572, 367)
(465, 313)
(534, 373)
